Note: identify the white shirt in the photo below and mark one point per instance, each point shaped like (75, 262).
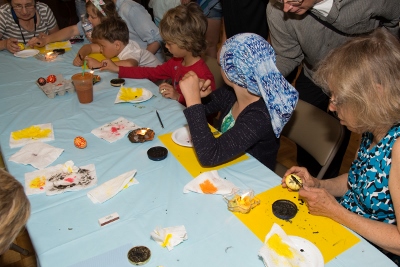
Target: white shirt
(133, 51)
(323, 7)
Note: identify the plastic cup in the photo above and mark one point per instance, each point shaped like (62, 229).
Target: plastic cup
(83, 86)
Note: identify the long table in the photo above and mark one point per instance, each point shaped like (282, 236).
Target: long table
(64, 228)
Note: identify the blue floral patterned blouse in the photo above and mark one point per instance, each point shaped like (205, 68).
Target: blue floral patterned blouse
(369, 194)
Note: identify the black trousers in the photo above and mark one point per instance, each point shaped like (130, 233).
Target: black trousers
(311, 93)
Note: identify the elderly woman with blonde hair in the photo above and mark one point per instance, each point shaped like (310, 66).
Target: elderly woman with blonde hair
(14, 209)
(362, 80)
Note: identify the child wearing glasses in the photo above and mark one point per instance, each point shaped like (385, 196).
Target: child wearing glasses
(22, 21)
(362, 79)
(111, 38)
(142, 29)
(183, 29)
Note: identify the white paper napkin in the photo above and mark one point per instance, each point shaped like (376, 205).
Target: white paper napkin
(209, 180)
(115, 130)
(279, 250)
(169, 237)
(112, 187)
(31, 134)
(60, 178)
(39, 155)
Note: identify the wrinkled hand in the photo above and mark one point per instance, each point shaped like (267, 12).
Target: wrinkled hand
(319, 201)
(39, 41)
(108, 64)
(12, 45)
(305, 176)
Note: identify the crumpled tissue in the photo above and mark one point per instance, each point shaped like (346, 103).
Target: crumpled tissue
(279, 250)
(112, 187)
(169, 237)
(115, 130)
(39, 155)
(209, 183)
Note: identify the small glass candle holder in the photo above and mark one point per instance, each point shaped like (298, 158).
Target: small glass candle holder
(241, 200)
(141, 135)
(50, 56)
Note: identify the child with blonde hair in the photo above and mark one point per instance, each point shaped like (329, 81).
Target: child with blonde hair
(183, 29)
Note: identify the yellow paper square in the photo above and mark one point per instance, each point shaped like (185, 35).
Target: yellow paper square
(329, 236)
(187, 156)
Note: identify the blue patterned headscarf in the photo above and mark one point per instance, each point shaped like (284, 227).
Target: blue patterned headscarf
(248, 60)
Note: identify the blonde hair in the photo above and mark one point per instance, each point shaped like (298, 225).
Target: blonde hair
(185, 26)
(109, 9)
(14, 209)
(365, 75)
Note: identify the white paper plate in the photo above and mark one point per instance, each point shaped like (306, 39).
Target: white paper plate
(146, 95)
(182, 137)
(27, 53)
(310, 252)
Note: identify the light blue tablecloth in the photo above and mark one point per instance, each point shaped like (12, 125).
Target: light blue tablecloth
(64, 228)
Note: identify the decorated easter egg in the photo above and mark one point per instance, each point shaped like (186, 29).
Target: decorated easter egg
(294, 182)
(41, 81)
(21, 46)
(80, 142)
(51, 78)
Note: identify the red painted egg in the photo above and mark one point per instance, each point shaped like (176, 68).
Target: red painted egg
(80, 142)
(51, 78)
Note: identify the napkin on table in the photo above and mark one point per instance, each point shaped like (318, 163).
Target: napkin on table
(31, 134)
(112, 187)
(115, 130)
(169, 237)
(279, 250)
(39, 155)
(209, 183)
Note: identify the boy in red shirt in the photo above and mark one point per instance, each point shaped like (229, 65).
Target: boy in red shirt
(183, 29)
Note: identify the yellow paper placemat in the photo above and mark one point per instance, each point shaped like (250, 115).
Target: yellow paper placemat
(187, 156)
(329, 236)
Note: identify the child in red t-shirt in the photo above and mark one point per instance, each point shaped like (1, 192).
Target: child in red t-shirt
(183, 29)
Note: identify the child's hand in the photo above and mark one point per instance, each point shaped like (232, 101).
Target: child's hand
(205, 87)
(109, 65)
(77, 60)
(92, 63)
(168, 91)
(190, 87)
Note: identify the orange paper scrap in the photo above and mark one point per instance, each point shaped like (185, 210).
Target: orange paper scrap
(187, 156)
(330, 237)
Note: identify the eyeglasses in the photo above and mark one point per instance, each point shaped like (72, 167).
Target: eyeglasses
(27, 7)
(291, 2)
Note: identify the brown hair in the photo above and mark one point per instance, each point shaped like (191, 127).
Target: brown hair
(109, 8)
(185, 26)
(112, 29)
(14, 209)
(365, 75)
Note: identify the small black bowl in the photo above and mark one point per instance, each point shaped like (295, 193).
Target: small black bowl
(117, 82)
(59, 51)
(284, 209)
(157, 153)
